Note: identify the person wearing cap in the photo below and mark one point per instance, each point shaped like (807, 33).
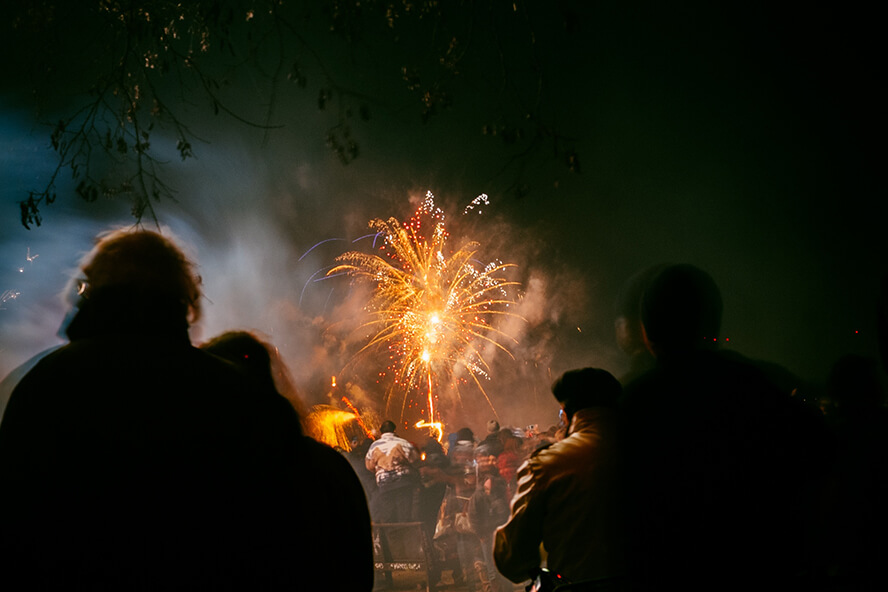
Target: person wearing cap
(566, 498)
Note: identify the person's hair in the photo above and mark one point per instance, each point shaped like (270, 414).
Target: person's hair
(387, 427)
(586, 387)
(628, 304)
(259, 361)
(627, 314)
(247, 352)
(681, 309)
(465, 434)
(144, 262)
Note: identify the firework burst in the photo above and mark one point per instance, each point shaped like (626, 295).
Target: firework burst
(434, 311)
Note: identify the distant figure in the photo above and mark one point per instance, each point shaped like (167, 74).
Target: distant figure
(131, 460)
(393, 460)
(434, 479)
(487, 509)
(432, 446)
(492, 440)
(509, 459)
(463, 447)
(722, 466)
(356, 459)
(627, 324)
(566, 497)
(330, 505)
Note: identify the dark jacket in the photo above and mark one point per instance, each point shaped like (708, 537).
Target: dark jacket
(722, 470)
(131, 460)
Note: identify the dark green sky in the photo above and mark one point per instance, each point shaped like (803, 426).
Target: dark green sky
(742, 139)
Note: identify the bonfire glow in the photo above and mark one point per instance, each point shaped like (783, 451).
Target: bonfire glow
(330, 425)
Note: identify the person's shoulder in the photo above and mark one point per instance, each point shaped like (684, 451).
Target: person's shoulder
(540, 466)
(327, 460)
(640, 386)
(48, 366)
(544, 455)
(322, 451)
(543, 450)
(206, 366)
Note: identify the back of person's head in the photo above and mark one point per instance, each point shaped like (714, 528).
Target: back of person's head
(246, 351)
(465, 435)
(432, 446)
(146, 263)
(681, 310)
(259, 361)
(387, 427)
(627, 323)
(586, 387)
(493, 426)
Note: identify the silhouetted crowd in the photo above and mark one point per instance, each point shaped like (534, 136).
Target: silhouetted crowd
(132, 459)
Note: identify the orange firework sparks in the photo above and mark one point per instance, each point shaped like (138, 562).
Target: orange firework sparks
(433, 311)
(358, 417)
(437, 426)
(330, 425)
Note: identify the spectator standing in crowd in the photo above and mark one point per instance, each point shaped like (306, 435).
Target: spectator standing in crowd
(721, 463)
(510, 459)
(567, 492)
(434, 478)
(132, 460)
(356, 458)
(462, 449)
(488, 508)
(332, 506)
(393, 460)
(628, 329)
(492, 440)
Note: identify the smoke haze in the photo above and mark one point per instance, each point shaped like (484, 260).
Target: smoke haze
(748, 159)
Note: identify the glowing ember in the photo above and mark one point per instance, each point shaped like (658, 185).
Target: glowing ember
(433, 311)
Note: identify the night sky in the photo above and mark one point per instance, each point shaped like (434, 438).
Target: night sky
(738, 138)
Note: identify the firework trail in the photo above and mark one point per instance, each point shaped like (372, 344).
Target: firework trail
(430, 309)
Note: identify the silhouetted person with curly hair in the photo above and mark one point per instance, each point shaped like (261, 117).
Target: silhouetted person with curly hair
(132, 460)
